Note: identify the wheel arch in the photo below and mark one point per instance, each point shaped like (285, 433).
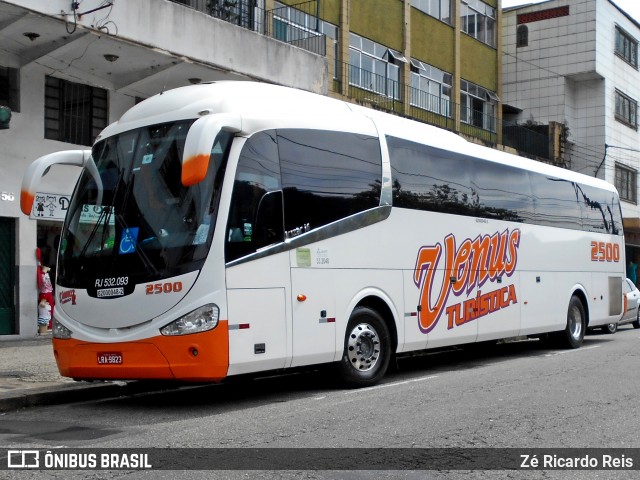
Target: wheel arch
(383, 307)
(579, 292)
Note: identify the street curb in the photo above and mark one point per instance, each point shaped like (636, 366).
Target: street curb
(73, 393)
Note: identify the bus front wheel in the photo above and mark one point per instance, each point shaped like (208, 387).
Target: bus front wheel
(367, 349)
(573, 335)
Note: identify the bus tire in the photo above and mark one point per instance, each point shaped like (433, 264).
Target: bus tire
(367, 349)
(573, 335)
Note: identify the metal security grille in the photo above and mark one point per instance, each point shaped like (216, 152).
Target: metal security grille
(7, 276)
(73, 113)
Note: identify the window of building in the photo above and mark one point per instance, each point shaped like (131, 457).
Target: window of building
(625, 182)
(477, 106)
(440, 9)
(430, 88)
(626, 47)
(522, 36)
(238, 12)
(73, 113)
(303, 29)
(9, 88)
(479, 21)
(626, 110)
(374, 67)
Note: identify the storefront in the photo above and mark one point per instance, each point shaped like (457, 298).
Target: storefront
(19, 238)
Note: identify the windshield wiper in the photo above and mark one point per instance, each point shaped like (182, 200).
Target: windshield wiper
(104, 213)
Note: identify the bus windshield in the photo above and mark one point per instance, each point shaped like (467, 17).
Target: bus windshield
(133, 220)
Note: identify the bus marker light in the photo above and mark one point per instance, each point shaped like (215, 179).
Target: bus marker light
(239, 326)
(194, 351)
(301, 298)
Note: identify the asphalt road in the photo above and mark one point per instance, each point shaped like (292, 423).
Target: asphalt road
(516, 395)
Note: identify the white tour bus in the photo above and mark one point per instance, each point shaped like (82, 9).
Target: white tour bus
(236, 227)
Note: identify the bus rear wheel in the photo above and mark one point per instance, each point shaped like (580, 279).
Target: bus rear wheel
(367, 349)
(573, 335)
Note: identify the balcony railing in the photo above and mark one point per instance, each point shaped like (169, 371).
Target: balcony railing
(272, 23)
(381, 93)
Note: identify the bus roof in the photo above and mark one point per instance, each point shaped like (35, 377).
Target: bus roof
(272, 104)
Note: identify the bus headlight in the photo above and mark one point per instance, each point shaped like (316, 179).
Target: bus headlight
(200, 320)
(60, 331)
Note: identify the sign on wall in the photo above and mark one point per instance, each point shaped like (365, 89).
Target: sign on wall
(49, 206)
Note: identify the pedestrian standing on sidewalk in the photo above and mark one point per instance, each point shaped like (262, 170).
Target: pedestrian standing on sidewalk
(46, 290)
(44, 316)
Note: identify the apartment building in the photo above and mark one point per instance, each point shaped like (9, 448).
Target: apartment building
(574, 63)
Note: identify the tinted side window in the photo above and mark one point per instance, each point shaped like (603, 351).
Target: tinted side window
(556, 202)
(600, 210)
(503, 192)
(426, 178)
(327, 176)
(255, 216)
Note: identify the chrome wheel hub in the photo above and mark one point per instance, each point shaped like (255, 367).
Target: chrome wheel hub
(575, 322)
(363, 347)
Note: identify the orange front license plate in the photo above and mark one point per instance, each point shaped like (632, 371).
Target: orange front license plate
(109, 358)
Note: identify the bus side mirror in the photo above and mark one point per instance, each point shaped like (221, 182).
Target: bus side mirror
(199, 142)
(39, 168)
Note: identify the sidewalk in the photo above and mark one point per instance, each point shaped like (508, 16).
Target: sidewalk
(29, 377)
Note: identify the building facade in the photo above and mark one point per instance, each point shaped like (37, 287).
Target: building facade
(66, 75)
(574, 63)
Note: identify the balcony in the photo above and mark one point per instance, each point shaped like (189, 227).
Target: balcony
(381, 93)
(289, 25)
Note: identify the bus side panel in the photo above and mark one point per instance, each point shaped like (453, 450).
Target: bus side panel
(414, 339)
(605, 299)
(257, 331)
(313, 308)
(540, 291)
(259, 315)
(502, 302)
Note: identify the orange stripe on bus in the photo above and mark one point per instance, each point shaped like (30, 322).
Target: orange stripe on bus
(200, 357)
(26, 202)
(194, 169)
